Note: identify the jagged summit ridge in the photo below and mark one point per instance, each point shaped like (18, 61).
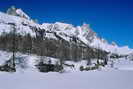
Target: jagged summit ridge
(17, 12)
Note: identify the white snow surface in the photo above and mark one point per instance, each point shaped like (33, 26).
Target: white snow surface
(76, 80)
(123, 64)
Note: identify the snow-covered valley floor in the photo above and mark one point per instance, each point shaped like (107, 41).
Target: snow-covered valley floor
(113, 79)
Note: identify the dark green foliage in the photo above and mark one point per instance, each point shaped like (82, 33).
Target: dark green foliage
(81, 68)
(43, 67)
(8, 67)
(117, 56)
(89, 68)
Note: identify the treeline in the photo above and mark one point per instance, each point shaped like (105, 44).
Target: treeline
(49, 47)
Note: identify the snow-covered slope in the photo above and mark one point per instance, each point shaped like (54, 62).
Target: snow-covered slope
(104, 45)
(67, 32)
(28, 62)
(22, 24)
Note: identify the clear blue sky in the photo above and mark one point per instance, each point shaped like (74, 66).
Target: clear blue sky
(111, 19)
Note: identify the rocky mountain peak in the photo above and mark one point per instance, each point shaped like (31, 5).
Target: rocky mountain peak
(17, 12)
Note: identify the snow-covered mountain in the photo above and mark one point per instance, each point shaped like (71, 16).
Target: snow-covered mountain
(84, 34)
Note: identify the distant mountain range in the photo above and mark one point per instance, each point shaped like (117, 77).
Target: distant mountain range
(83, 34)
